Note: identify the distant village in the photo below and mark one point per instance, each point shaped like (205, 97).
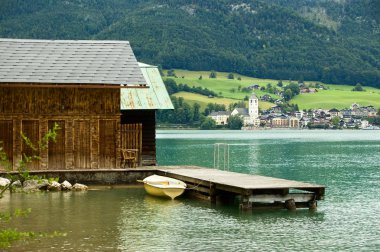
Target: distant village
(355, 117)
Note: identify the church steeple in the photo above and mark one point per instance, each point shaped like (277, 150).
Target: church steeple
(253, 107)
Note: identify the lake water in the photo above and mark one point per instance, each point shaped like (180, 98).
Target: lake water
(126, 219)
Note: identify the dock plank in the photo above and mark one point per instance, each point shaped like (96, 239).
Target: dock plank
(234, 179)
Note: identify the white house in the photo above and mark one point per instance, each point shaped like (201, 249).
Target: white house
(220, 117)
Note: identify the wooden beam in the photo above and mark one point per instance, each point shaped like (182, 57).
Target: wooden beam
(271, 198)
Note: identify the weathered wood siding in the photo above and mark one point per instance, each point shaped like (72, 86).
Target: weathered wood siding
(107, 150)
(57, 149)
(31, 129)
(148, 120)
(6, 138)
(59, 101)
(89, 119)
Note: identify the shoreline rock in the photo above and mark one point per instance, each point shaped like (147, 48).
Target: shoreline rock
(4, 182)
(33, 185)
(66, 186)
(79, 187)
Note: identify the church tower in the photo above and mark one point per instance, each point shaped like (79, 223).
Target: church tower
(253, 108)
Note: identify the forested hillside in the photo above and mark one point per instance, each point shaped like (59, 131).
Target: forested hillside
(334, 41)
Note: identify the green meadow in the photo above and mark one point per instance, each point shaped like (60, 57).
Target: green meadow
(327, 99)
(202, 100)
(336, 96)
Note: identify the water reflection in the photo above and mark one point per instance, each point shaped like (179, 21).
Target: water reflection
(126, 219)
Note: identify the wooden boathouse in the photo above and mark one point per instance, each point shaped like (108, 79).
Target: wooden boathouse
(81, 86)
(104, 102)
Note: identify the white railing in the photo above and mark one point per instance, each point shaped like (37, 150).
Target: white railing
(222, 156)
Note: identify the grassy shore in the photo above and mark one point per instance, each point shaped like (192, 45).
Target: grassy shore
(202, 100)
(336, 96)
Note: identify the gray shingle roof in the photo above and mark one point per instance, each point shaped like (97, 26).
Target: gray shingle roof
(242, 111)
(68, 62)
(220, 113)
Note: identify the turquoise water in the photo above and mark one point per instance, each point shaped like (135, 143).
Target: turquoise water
(126, 219)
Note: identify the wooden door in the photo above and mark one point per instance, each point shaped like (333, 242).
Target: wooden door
(31, 129)
(131, 138)
(6, 141)
(56, 151)
(107, 144)
(82, 144)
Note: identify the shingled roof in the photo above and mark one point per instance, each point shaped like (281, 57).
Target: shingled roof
(69, 62)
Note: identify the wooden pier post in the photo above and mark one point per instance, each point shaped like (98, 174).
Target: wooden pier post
(212, 193)
(290, 204)
(245, 203)
(312, 205)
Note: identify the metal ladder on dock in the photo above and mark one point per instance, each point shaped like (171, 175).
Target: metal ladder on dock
(225, 158)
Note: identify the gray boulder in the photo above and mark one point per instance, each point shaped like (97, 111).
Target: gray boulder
(33, 185)
(66, 185)
(17, 184)
(79, 187)
(4, 182)
(54, 186)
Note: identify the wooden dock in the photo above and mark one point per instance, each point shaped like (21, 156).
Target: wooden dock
(253, 191)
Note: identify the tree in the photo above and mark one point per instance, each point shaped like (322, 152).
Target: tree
(279, 84)
(358, 87)
(171, 86)
(196, 112)
(212, 74)
(235, 122)
(288, 94)
(200, 77)
(160, 70)
(335, 121)
(171, 73)
(187, 113)
(294, 87)
(208, 123)
(231, 76)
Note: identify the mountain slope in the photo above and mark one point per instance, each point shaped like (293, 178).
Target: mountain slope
(334, 41)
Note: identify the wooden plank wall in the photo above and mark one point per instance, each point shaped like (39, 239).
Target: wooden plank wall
(82, 144)
(56, 150)
(148, 120)
(6, 138)
(31, 129)
(59, 101)
(89, 137)
(107, 138)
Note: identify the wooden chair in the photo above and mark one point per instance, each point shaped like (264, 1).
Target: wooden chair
(130, 157)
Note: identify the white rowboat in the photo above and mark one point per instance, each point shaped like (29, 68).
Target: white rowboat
(163, 186)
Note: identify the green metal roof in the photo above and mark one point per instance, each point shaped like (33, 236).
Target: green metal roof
(154, 97)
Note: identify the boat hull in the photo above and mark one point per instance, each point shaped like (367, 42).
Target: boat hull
(163, 186)
(163, 192)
